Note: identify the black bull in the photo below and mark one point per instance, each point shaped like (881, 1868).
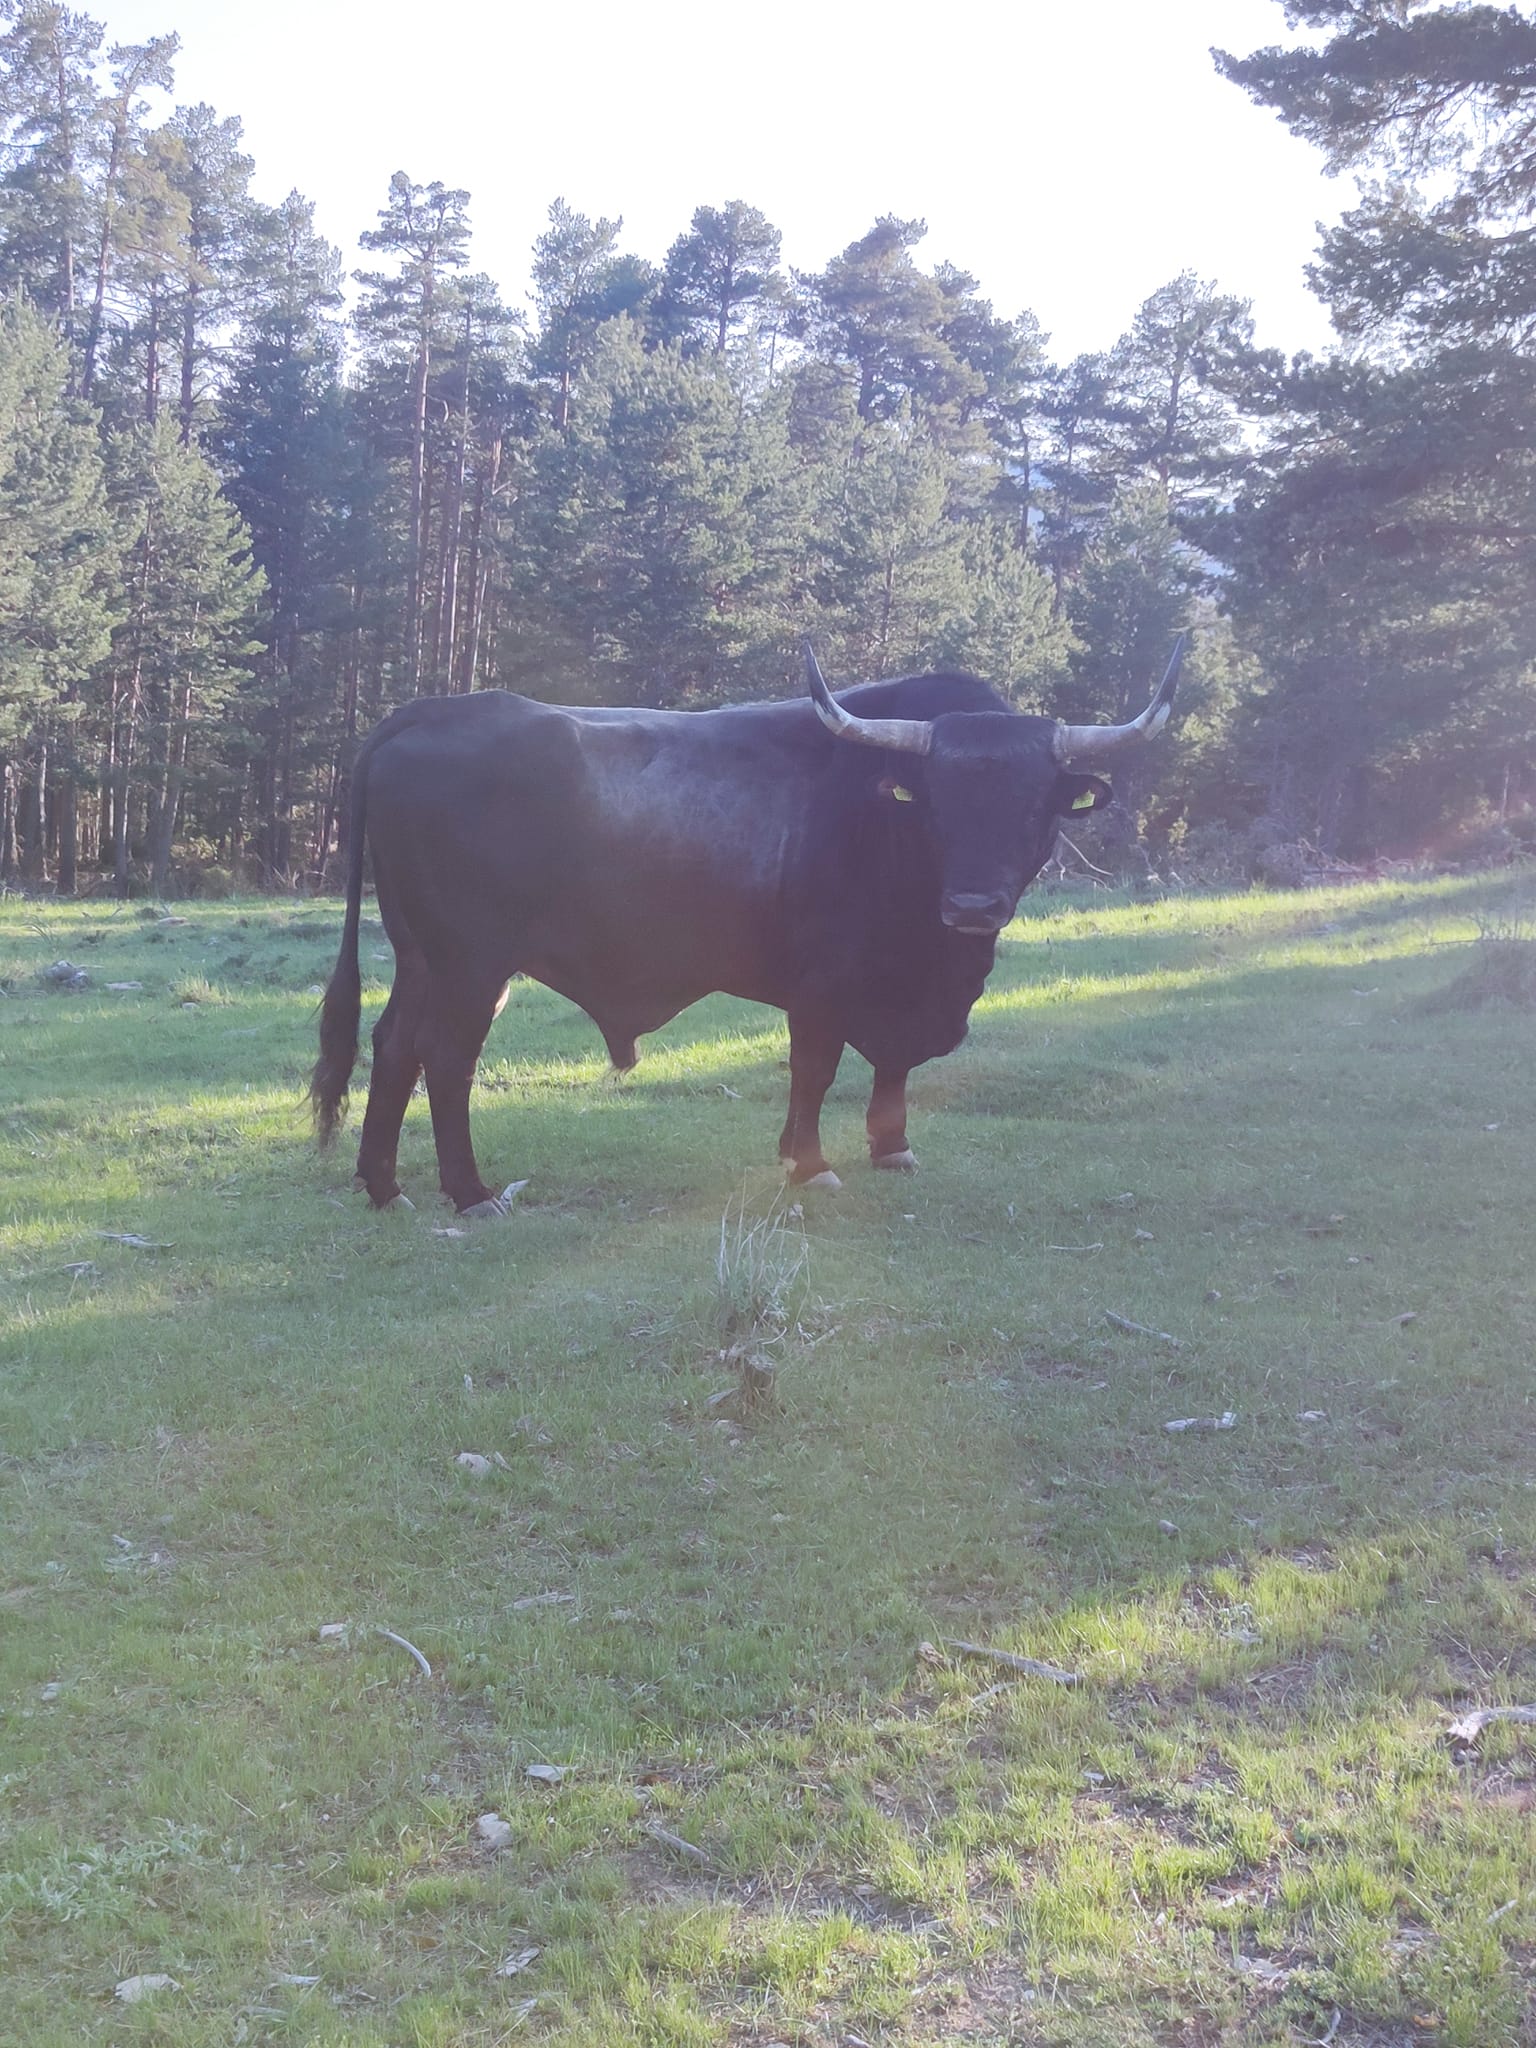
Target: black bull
(850, 861)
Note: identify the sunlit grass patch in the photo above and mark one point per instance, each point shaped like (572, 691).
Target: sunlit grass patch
(1227, 1119)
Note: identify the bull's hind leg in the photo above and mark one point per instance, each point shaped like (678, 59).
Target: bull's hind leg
(814, 1051)
(459, 1013)
(886, 1121)
(396, 1066)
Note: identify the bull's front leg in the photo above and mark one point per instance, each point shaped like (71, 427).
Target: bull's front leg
(886, 1121)
(814, 1051)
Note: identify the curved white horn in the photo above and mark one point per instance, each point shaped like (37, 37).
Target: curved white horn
(901, 735)
(1098, 742)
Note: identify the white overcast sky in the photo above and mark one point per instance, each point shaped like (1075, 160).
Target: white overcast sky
(1073, 157)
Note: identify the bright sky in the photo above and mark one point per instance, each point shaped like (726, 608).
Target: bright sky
(1072, 156)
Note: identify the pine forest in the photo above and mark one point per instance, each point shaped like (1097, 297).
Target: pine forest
(256, 491)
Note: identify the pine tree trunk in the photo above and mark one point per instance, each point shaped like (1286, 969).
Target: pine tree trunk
(475, 575)
(121, 804)
(68, 830)
(172, 775)
(103, 255)
(188, 361)
(453, 537)
(128, 745)
(152, 360)
(34, 821)
(414, 621)
(8, 847)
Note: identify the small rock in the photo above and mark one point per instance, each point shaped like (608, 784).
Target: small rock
(1313, 1415)
(522, 1959)
(1144, 1237)
(493, 1830)
(1169, 1528)
(51, 1690)
(125, 988)
(542, 1600)
(472, 1461)
(545, 1774)
(332, 1631)
(1263, 1971)
(132, 1989)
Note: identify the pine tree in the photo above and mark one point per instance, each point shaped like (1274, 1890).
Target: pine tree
(406, 318)
(57, 586)
(136, 68)
(716, 275)
(1383, 545)
(875, 311)
(632, 549)
(581, 280)
(280, 438)
(212, 175)
(50, 109)
(182, 649)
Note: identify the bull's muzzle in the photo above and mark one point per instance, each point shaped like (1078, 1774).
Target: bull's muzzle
(981, 915)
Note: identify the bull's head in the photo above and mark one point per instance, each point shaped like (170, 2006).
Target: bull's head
(993, 787)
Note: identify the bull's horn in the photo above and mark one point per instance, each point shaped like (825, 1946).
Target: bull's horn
(901, 735)
(1098, 742)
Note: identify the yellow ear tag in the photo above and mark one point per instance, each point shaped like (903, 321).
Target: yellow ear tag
(902, 796)
(1085, 800)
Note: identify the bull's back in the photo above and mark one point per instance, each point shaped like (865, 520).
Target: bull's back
(630, 860)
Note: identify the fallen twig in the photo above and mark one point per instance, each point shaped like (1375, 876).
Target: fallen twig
(1031, 1667)
(1076, 1247)
(1141, 1330)
(1087, 863)
(390, 1636)
(1226, 1420)
(668, 1840)
(1470, 1726)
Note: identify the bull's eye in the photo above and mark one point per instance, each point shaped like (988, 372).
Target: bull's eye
(902, 796)
(1085, 800)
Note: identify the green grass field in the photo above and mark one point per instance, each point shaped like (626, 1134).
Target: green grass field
(1237, 1120)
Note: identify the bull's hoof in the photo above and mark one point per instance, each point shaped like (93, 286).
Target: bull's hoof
(496, 1205)
(896, 1162)
(825, 1179)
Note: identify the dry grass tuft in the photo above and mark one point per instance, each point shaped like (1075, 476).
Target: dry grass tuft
(1502, 969)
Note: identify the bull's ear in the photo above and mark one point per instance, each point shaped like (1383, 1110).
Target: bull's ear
(1077, 793)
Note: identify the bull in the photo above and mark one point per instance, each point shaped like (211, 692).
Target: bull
(847, 859)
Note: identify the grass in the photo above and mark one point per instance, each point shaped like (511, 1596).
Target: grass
(1232, 1119)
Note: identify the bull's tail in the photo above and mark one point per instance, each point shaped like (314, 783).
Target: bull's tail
(341, 1011)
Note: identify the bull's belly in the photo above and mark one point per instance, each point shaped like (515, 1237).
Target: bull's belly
(627, 1006)
(904, 1031)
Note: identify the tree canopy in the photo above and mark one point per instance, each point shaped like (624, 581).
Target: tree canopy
(238, 523)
